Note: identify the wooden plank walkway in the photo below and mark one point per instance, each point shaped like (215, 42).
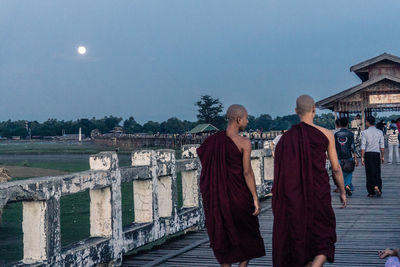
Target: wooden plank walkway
(364, 227)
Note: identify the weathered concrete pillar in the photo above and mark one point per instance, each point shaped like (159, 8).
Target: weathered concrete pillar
(143, 189)
(269, 168)
(41, 230)
(190, 189)
(100, 212)
(257, 166)
(34, 229)
(100, 199)
(267, 144)
(166, 188)
(190, 180)
(105, 203)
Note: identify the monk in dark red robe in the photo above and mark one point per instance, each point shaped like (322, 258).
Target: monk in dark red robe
(229, 193)
(304, 231)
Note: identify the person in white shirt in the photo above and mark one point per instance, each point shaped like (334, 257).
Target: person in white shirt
(275, 142)
(356, 123)
(372, 155)
(393, 143)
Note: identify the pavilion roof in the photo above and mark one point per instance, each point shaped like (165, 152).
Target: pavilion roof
(203, 128)
(360, 68)
(328, 102)
(374, 60)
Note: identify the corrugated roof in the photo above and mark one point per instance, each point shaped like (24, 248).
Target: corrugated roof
(203, 128)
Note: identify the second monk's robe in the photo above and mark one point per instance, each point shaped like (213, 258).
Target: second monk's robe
(304, 221)
(228, 204)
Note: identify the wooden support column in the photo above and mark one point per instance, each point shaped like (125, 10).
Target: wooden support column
(363, 112)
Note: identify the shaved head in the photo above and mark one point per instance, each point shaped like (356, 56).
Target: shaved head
(234, 112)
(304, 104)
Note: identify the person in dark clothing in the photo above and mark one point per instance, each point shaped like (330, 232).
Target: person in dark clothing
(229, 193)
(380, 125)
(337, 128)
(344, 142)
(304, 230)
(398, 128)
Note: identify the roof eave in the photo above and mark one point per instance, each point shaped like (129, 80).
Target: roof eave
(323, 104)
(374, 60)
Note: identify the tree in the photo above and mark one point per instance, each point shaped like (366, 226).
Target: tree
(131, 126)
(209, 111)
(151, 127)
(252, 125)
(172, 125)
(111, 122)
(326, 120)
(264, 122)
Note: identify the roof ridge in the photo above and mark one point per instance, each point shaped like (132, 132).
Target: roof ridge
(371, 61)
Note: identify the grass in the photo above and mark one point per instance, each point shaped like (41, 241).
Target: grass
(50, 148)
(40, 148)
(11, 248)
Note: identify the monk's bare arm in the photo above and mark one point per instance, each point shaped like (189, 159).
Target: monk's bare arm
(336, 169)
(249, 174)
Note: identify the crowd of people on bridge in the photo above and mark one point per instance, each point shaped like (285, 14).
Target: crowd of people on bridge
(304, 227)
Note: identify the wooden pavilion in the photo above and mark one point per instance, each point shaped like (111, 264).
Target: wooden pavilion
(379, 90)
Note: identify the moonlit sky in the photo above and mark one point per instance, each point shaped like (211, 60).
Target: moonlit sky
(153, 59)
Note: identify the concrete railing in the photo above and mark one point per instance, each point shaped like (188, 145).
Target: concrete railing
(154, 176)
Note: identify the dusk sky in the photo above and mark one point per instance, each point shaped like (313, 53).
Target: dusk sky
(154, 59)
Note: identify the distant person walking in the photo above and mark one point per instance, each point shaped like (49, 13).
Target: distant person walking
(356, 123)
(344, 141)
(380, 125)
(372, 155)
(275, 142)
(398, 126)
(393, 143)
(337, 128)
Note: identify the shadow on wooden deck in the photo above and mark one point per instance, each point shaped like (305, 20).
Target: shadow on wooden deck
(364, 227)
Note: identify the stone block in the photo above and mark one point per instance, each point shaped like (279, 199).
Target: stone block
(190, 189)
(33, 227)
(100, 212)
(142, 158)
(256, 166)
(164, 194)
(268, 168)
(165, 161)
(103, 161)
(143, 200)
(189, 151)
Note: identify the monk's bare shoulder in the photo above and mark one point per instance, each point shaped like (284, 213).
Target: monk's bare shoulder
(245, 142)
(326, 132)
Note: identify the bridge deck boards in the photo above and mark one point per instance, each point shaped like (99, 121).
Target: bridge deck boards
(367, 225)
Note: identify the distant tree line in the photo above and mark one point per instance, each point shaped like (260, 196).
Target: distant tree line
(209, 111)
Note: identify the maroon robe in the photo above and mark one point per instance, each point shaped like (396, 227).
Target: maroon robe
(228, 204)
(304, 221)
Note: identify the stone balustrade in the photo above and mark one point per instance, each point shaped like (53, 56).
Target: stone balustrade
(154, 176)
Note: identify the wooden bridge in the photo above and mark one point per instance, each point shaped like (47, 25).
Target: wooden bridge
(364, 227)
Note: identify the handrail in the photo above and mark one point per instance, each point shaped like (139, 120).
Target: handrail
(157, 215)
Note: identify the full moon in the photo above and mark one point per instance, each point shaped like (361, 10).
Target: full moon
(82, 50)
